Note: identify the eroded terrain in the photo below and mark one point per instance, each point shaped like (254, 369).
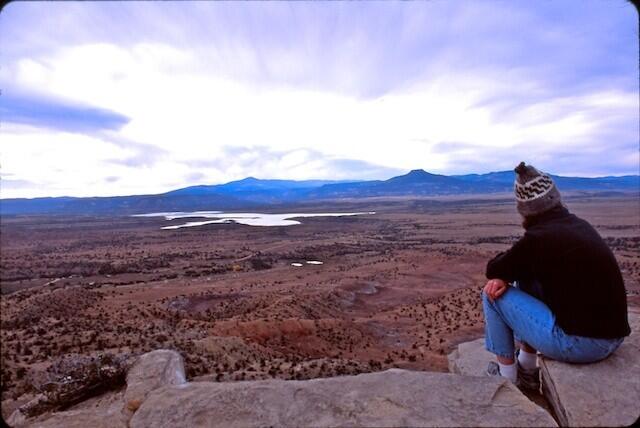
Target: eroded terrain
(396, 289)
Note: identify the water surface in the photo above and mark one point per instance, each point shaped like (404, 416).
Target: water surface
(250, 219)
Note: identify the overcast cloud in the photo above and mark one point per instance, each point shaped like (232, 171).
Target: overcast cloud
(113, 98)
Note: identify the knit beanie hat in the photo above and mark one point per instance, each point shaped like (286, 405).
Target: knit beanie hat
(535, 191)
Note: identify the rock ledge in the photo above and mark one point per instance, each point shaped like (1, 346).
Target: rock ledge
(605, 393)
(391, 398)
(157, 395)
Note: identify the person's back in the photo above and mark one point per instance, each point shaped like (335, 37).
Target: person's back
(579, 275)
(568, 298)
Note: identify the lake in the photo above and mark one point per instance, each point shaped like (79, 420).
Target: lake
(250, 219)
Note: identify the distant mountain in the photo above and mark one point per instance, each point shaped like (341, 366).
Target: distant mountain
(416, 182)
(503, 181)
(256, 190)
(420, 182)
(418, 176)
(251, 184)
(121, 204)
(625, 182)
(501, 177)
(252, 193)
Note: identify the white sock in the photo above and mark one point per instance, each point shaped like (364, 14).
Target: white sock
(527, 360)
(510, 371)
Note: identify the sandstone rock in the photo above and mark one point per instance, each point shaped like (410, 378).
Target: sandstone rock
(71, 380)
(20, 416)
(606, 393)
(470, 358)
(390, 398)
(151, 371)
(81, 419)
(17, 419)
(100, 412)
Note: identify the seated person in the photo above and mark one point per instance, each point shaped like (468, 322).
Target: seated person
(558, 290)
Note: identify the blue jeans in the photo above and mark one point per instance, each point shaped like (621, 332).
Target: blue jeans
(532, 322)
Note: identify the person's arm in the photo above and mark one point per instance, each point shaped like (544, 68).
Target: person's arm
(513, 264)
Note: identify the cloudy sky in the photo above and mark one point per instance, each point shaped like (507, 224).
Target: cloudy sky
(128, 98)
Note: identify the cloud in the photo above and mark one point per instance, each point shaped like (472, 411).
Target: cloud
(11, 184)
(360, 49)
(353, 169)
(301, 164)
(133, 154)
(210, 92)
(54, 113)
(195, 177)
(138, 158)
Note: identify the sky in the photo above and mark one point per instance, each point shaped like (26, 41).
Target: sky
(120, 98)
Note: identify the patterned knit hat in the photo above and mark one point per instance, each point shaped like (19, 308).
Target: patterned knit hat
(535, 191)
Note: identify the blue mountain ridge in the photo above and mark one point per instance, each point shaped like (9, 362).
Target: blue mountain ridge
(252, 193)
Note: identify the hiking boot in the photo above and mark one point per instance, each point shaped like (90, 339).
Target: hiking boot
(528, 379)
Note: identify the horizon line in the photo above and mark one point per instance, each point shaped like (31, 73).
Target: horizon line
(309, 179)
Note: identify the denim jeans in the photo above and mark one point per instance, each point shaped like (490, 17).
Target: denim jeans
(531, 321)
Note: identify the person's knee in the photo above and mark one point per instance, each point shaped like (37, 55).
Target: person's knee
(499, 303)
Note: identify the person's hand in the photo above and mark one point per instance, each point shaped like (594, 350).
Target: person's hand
(495, 288)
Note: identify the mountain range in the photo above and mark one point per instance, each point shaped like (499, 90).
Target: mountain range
(251, 193)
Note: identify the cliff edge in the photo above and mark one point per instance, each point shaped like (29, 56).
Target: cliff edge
(157, 395)
(601, 394)
(605, 393)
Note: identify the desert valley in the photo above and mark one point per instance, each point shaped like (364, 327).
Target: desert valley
(397, 287)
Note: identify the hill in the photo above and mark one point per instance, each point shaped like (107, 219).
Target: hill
(252, 193)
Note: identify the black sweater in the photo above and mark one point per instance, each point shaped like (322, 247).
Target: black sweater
(580, 278)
